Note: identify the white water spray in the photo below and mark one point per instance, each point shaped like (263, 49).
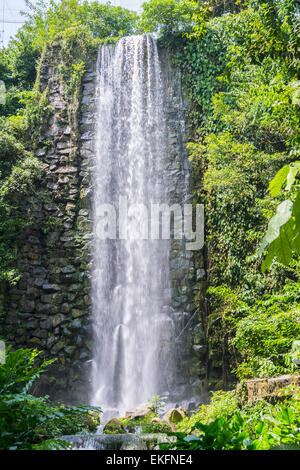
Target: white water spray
(130, 277)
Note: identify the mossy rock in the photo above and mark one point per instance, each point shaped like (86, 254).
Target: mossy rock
(92, 421)
(114, 427)
(138, 421)
(173, 416)
(157, 427)
(140, 412)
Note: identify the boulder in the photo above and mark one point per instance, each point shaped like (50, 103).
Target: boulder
(139, 412)
(175, 415)
(92, 420)
(269, 389)
(160, 426)
(155, 420)
(114, 427)
(182, 411)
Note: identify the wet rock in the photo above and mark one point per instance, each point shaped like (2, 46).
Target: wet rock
(68, 269)
(76, 324)
(77, 313)
(267, 389)
(182, 411)
(173, 416)
(28, 306)
(134, 443)
(40, 333)
(139, 412)
(114, 427)
(50, 288)
(58, 347)
(200, 274)
(70, 350)
(110, 442)
(57, 320)
(35, 342)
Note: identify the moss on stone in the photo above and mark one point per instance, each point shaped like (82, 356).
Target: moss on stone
(114, 426)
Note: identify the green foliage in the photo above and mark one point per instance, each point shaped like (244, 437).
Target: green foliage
(220, 434)
(26, 421)
(20, 370)
(19, 176)
(201, 62)
(169, 17)
(283, 234)
(157, 404)
(277, 31)
(18, 72)
(295, 353)
(265, 339)
(226, 302)
(223, 434)
(241, 75)
(261, 336)
(20, 173)
(235, 167)
(243, 85)
(235, 180)
(76, 45)
(140, 421)
(12, 151)
(225, 425)
(156, 428)
(47, 19)
(221, 404)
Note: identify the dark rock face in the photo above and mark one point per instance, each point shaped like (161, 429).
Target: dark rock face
(187, 324)
(50, 307)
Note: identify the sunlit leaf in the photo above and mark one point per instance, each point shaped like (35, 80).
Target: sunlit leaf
(283, 214)
(279, 180)
(291, 177)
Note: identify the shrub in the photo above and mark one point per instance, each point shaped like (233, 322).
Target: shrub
(261, 427)
(26, 421)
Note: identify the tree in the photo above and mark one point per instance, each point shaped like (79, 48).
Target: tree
(104, 20)
(44, 21)
(167, 17)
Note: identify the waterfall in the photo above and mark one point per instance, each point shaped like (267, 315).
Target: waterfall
(130, 278)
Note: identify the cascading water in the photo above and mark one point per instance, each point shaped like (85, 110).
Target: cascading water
(130, 276)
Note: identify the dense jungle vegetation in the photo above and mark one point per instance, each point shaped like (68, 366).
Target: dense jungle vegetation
(240, 67)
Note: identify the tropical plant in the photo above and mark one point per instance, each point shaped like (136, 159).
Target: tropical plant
(171, 17)
(247, 429)
(25, 420)
(157, 404)
(283, 234)
(47, 19)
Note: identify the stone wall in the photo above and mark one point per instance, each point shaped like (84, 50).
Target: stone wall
(50, 307)
(187, 273)
(272, 390)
